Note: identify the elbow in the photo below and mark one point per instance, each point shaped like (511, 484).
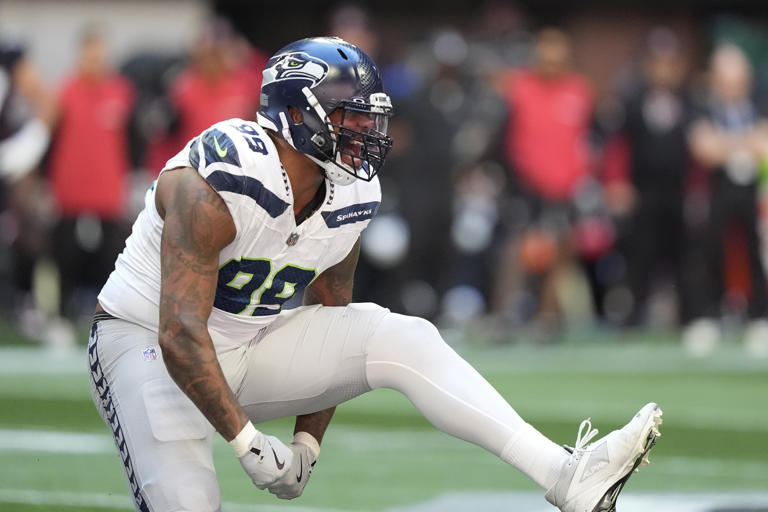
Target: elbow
(178, 340)
(171, 348)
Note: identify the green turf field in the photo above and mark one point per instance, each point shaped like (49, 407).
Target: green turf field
(379, 454)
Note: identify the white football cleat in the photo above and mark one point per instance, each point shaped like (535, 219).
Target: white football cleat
(592, 478)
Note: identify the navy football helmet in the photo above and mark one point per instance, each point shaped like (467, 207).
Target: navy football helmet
(318, 76)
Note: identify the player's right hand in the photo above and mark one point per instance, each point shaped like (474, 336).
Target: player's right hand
(266, 460)
(305, 450)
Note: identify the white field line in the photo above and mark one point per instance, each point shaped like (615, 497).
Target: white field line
(115, 502)
(629, 502)
(452, 502)
(55, 442)
(67, 498)
(41, 361)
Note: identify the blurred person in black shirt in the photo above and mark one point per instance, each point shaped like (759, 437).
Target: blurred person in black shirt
(656, 116)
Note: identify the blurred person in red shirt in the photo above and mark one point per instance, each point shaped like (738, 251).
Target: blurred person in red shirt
(547, 150)
(222, 81)
(550, 108)
(89, 174)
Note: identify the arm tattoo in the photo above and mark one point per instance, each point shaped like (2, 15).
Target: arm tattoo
(334, 286)
(197, 226)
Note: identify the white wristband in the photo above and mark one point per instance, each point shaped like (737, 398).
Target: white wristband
(242, 441)
(309, 440)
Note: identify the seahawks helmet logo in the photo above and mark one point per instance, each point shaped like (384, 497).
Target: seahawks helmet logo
(296, 66)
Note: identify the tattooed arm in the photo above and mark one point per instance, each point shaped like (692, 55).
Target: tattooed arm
(197, 226)
(331, 288)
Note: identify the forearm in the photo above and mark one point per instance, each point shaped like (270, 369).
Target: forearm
(327, 297)
(34, 90)
(194, 367)
(22, 152)
(197, 225)
(315, 423)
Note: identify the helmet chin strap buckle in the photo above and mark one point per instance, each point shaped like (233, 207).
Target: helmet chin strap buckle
(318, 140)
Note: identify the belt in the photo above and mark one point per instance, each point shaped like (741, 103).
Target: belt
(100, 315)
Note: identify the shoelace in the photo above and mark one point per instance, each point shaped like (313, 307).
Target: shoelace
(582, 439)
(586, 433)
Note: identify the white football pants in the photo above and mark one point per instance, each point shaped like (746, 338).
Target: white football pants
(308, 359)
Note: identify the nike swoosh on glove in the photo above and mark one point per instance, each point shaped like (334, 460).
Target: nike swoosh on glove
(305, 450)
(266, 460)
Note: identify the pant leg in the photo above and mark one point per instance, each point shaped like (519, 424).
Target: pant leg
(641, 258)
(70, 262)
(713, 281)
(164, 441)
(317, 357)
(309, 359)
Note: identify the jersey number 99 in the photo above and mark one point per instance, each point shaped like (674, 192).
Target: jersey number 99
(247, 286)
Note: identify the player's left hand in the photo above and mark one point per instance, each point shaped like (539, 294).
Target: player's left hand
(305, 450)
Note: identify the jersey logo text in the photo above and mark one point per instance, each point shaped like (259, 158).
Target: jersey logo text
(350, 214)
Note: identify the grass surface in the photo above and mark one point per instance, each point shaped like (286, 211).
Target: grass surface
(380, 452)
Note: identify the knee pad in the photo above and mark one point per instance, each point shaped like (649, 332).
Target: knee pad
(172, 415)
(406, 341)
(183, 479)
(400, 333)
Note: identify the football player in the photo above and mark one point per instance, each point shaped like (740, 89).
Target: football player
(23, 139)
(189, 337)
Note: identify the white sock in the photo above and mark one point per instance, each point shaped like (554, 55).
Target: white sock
(407, 354)
(535, 455)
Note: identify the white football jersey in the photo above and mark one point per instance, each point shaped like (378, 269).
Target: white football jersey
(270, 259)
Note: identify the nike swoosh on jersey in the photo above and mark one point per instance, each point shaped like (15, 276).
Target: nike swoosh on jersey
(277, 461)
(221, 152)
(301, 470)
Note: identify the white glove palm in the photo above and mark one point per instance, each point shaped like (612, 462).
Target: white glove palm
(266, 460)
(305, 452)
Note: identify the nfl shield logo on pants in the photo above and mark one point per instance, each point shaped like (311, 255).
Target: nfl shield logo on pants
(149, 354)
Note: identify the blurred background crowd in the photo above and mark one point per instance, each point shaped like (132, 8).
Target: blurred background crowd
(556, 168)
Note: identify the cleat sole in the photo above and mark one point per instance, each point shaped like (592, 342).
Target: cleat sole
(608, 502)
